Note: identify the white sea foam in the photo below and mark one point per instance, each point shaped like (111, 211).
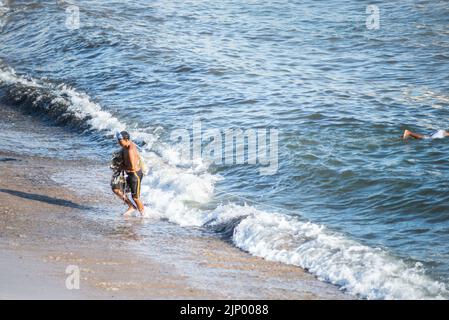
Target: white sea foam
(78, 104)
(371, 273)
(9, 76)
(81, 105)
(177, 193)
(178, 190)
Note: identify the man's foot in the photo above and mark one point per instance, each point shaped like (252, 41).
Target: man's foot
(129, 212)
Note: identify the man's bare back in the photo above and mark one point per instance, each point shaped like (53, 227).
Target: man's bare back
(131, 157)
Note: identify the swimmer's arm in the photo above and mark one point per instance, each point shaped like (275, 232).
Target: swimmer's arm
(408, 133)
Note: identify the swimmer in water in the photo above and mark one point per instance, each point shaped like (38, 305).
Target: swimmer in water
(440, 134)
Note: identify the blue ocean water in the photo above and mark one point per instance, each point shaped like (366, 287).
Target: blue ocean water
(351, 201)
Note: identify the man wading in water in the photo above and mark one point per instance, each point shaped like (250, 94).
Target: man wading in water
(131, 165)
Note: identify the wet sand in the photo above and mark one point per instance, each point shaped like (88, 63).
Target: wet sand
(50, 220)
(43, 229)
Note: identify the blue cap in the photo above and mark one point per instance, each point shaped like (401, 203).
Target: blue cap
(119, 136)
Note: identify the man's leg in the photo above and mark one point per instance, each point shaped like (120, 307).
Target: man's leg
(140, 205)
(125, 199)
(134, 180)
(408, 134)
(136, 192)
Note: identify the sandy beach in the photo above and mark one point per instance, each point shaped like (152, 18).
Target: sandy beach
(49, 222)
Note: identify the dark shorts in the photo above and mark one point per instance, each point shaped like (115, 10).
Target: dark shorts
(133, 180)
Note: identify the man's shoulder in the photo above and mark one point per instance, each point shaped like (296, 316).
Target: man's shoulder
(133, 147)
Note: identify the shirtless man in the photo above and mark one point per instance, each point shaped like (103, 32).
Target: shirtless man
(118, 183)
(132, 168)
(437, 135)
